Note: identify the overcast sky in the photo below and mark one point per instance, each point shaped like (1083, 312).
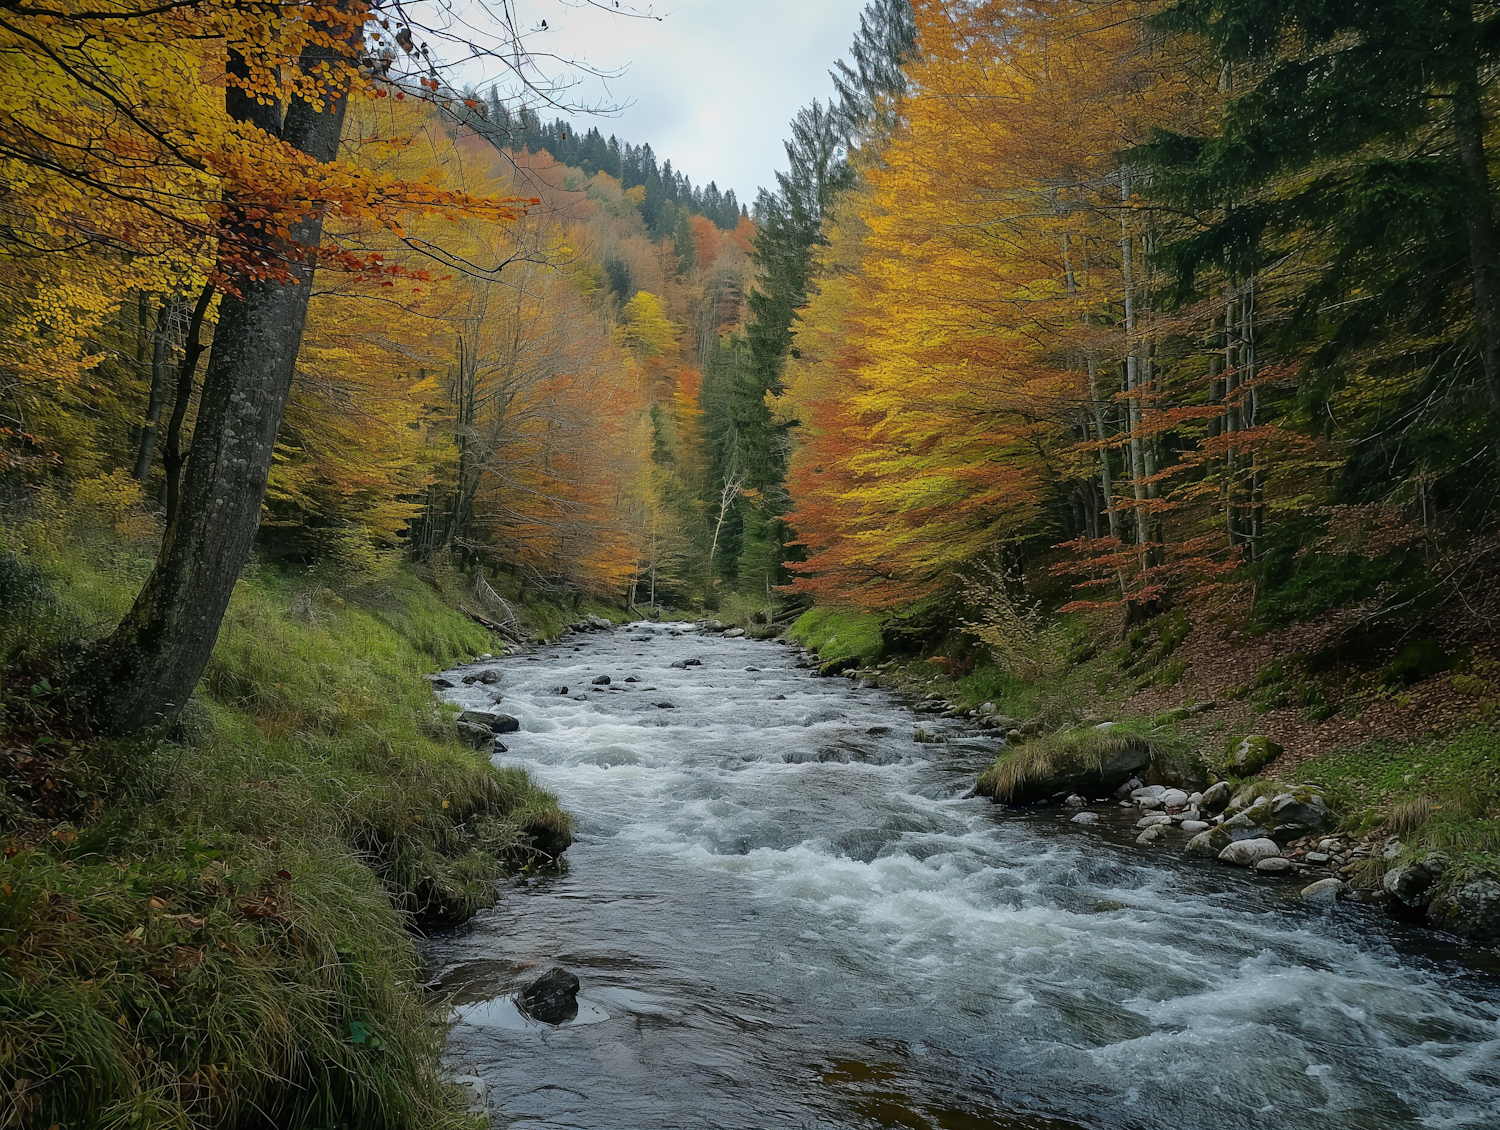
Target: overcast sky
(713, 84)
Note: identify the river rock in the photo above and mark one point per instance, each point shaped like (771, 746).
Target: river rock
(1215, 797)
(1469, 908)
(559, 690)
(482, 718)
(1149, 802)
(665, 706)
(478, 737)
(474, 1094)
(490, 677)
(443, 684)
(1252, 754)
(1085, 818)
(1412, 885)
(1076, 801)
(552, 998)
(1174, 798)
(1147, 792)
(1243, 827)
(734, 633)
(1247, 853)
(1209, 843)
(1153, 834)
(1193, 827)
(1324, 890)
(601, 680)
(1129, 787)
(1153, 820)
(1274, 865)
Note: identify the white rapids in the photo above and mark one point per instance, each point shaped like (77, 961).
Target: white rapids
(786, 913)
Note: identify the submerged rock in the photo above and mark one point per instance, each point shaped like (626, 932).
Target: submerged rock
(490, 677)
(1152, 834)
(552, 998)
(1085, 818)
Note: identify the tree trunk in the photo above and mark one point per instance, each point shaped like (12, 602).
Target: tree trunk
(157, 398)
(172, 456)
(156, 656)
(1469, 125)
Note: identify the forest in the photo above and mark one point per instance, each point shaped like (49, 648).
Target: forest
(1095, 358)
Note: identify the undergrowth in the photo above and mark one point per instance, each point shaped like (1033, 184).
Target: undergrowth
(212, 930)
(1442, 794)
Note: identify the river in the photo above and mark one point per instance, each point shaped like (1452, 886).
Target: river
(784, 912)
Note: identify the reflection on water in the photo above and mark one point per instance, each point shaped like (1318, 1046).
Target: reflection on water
(786, 913)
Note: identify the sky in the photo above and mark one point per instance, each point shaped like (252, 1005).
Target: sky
(713, 83)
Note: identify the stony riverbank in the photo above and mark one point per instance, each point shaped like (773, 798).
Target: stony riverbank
(1229, 805)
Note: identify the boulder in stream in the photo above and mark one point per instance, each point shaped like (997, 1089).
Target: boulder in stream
(552, 998)
(601, 680)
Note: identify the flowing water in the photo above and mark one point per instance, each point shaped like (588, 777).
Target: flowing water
(786, 913)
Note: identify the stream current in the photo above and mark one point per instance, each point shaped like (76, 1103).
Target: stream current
(784, 912)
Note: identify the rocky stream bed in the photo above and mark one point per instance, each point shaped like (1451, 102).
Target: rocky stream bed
(782, 910)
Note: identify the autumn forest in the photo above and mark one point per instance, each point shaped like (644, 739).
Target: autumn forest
(1096, 358)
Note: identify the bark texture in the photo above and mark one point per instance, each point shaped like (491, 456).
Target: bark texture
(153, 661)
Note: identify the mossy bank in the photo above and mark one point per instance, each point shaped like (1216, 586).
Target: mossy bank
(212, 928)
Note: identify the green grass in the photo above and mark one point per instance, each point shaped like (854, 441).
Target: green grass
(839, 637)
(1442, 794)
(214, 931)
(1062, 754)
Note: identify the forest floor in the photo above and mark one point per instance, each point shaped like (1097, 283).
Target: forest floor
(214, 927)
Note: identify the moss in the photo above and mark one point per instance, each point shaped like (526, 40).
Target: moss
(214, 930)
(841, 638)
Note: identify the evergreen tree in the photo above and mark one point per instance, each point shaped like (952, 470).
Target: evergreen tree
(791, 221)
(1354, 135)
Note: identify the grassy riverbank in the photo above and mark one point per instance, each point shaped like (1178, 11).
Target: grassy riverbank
(212, 929)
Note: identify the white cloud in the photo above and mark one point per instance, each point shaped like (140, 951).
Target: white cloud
(713, 84)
